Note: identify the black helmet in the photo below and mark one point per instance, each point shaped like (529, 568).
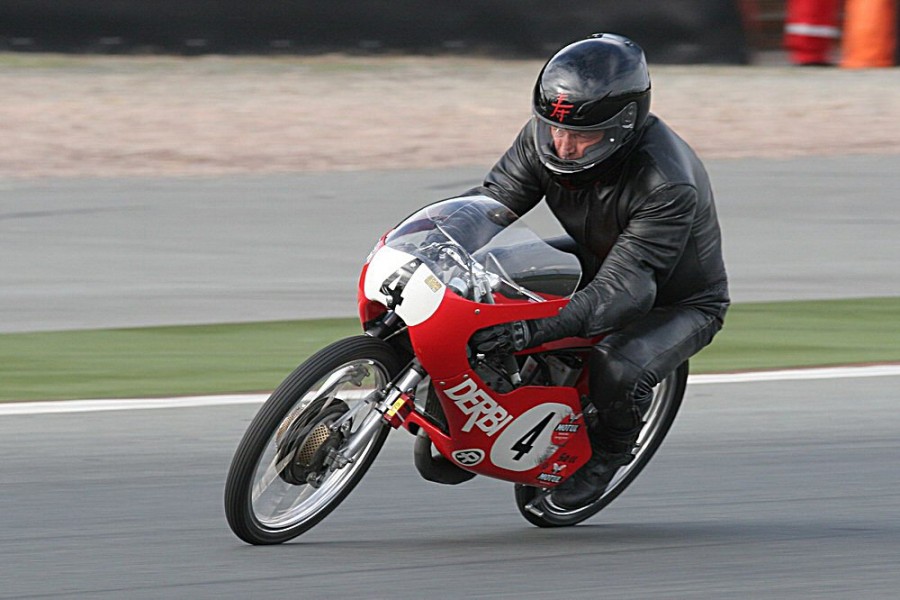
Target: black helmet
(597, 84)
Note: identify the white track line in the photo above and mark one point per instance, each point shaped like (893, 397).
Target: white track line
(70, 406)
(798, 374)
(66, 406)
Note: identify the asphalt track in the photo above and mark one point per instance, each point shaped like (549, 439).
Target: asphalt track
(768, 489)
(762, 490)
(133, 252)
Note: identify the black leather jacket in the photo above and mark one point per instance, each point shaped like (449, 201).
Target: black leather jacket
(647, 228)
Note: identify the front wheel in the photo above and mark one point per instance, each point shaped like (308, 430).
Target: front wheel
(536, 505)
(284, 478)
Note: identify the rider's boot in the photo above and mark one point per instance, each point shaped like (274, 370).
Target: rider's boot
(612, 449)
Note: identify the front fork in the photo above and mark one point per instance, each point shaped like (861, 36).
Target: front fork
(387, 406)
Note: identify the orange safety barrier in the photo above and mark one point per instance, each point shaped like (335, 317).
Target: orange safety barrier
(870, 34)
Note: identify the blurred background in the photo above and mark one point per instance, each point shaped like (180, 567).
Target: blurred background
(411, 101)
(188, 188)
(671, 31)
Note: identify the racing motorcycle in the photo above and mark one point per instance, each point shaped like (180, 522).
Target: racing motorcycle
(447, 271)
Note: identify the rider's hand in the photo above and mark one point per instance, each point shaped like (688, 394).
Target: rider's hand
(506, 337)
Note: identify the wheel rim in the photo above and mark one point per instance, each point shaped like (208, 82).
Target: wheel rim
(276, 504)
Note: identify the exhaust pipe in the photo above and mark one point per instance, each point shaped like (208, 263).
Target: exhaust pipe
(437, 468)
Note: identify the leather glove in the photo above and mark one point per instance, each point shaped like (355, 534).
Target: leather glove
(505, 337)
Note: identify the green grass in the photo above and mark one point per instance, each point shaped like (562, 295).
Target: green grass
(157, 361)
(211, 359)
(770, 335)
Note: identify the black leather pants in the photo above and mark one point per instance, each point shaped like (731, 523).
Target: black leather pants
(627, 364)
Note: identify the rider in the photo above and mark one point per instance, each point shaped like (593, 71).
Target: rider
(638, 205)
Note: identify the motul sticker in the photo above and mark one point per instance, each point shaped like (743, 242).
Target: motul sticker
(565, 429)
(555, 474)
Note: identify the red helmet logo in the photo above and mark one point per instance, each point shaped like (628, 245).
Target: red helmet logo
(561, 108)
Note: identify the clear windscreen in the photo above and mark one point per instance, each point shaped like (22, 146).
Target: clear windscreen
(479, 248)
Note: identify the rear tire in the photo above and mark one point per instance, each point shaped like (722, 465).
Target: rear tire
(535, 504)
(280, 484)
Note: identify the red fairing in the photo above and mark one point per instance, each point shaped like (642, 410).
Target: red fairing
(368, 310)
(532, 435)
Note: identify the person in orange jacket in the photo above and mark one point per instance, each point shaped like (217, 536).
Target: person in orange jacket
(811, 31)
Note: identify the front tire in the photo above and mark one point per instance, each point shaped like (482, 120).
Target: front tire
(536, 505)
(281, 483)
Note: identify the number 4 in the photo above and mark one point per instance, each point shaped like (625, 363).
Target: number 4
(526, 442)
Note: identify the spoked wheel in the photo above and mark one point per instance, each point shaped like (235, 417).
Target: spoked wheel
(285, 477)
(536, 504)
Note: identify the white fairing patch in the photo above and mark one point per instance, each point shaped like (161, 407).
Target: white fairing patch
(526, 442)
(383, 265)
(421, 295)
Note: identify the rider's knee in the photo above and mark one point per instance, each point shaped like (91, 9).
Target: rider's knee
(612, 376)
(617, 382)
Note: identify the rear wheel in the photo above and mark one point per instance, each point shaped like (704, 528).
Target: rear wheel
(536, 505)
(283, 478)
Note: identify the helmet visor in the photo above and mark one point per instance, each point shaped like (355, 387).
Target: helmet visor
(570, 150)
